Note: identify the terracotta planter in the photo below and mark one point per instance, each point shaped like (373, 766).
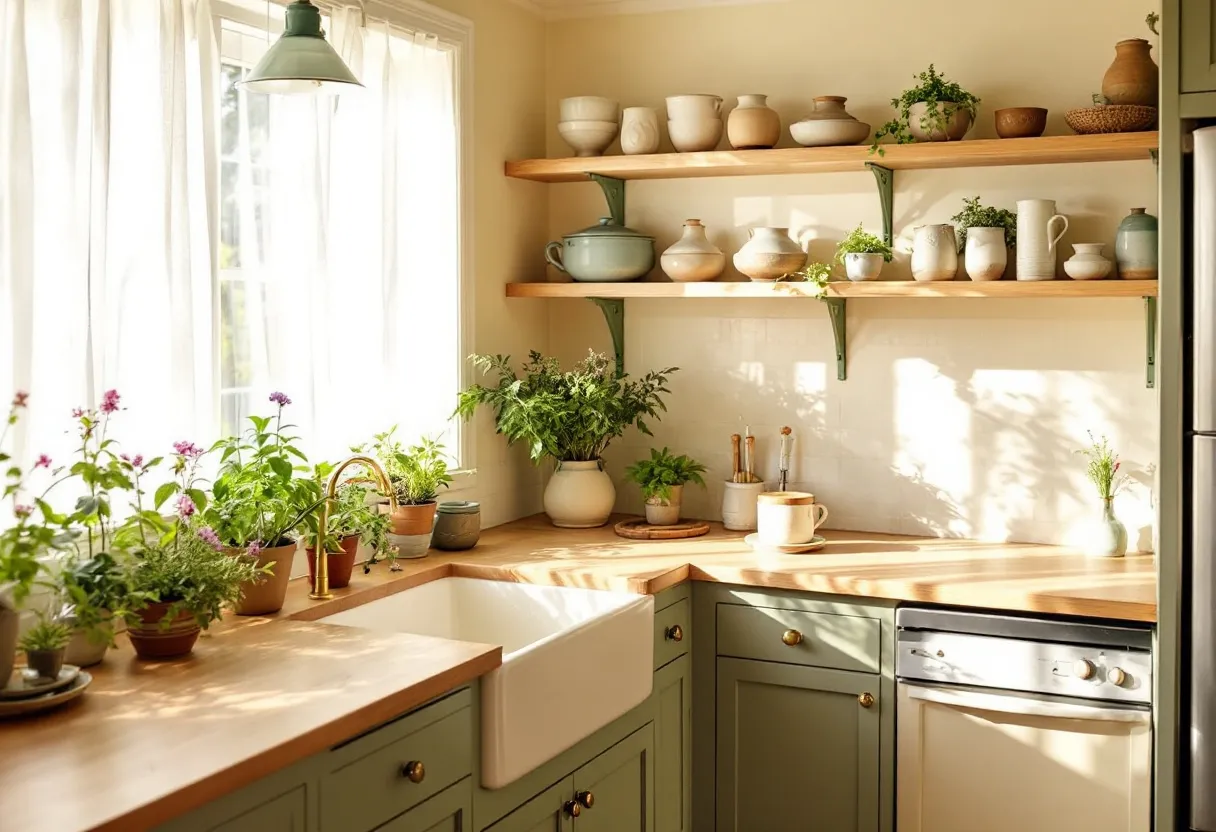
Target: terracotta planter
(151, 640)
(414, 520)
(1132, 78)
(341, 564)
(266, 595)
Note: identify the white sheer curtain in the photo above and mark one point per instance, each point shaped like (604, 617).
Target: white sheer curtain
(107, 172)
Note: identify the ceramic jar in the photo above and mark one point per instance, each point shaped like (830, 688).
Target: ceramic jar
(693, 257)
(1132, 78)
(1037, 218)
(985, 255)
(753, 124)
(1136, 246)
(458, 526)
(1105, 536)
(665, 512)
(934, 253)
(1088, 262)
(694, 122)
(957, 123)
(639, 131)
(769, 254)
(603, 253)
(739, 505)
(862, 266)
(579, 496)
(829, 125)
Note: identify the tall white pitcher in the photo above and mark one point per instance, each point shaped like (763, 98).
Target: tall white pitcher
(1036, 243)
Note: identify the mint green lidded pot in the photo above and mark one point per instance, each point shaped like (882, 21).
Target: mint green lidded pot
(1136, 246)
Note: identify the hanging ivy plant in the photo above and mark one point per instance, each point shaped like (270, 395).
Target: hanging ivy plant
(942, 99)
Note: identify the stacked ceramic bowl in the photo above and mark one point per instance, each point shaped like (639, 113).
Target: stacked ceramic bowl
(589, 123)
(694, 122)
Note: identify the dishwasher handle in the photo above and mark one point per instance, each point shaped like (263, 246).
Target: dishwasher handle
(1025, 706)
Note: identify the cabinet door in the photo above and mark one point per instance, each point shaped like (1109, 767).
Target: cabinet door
(286, 813)
(616, 789)
(798, 748)
(1198, 45)
(673, 747)
(449, 811)
(549, 811)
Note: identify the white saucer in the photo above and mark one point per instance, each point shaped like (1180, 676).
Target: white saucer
(816, 542)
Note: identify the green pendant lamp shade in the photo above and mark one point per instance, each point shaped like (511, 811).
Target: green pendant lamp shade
(301, 61)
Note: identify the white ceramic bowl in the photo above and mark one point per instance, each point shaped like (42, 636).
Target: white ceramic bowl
(694, 135)
(588, 138)
(829, 132)
(589, 108)
(693, 267)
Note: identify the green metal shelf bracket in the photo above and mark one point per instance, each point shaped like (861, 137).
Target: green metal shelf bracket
(885, 178)
(1150, 342)
(836, 311)
(614, 316)
(614, 194)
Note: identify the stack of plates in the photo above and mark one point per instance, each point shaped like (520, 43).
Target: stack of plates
(28, 693)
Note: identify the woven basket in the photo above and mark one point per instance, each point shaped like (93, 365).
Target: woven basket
(1112, 118)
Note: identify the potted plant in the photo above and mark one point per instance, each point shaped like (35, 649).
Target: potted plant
(417, 474)
(862, 254)
(984, 236)
(44, 645)
(1105, 536)
(570, 417)
(352, 520)
(94, 590)
(935, 110)
(817, 274)
(662, 479)
(261, 494)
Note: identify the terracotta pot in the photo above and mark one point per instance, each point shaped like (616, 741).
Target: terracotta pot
(1132, 78)
(46, 663)
(267, 593)
(753, 124)
(414, 520)
(341, 564)
(151, 640)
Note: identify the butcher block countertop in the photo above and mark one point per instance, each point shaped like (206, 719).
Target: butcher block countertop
(151, 741)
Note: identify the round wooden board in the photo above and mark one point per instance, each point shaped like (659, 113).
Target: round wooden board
(639, 529)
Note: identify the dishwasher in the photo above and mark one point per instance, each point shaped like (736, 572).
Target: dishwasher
(1009, 724)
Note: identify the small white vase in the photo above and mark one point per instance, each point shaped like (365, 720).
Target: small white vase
(934, 253)
(639, 131)
(84, 650)
(769, 254)
(739, 505)
(985, 255)
(693, 257)
(660, 512)
(1105, 536)
(862, 266)
(1088, 262)
(579, 496)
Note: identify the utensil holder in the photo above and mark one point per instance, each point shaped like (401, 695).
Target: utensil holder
(739, 505)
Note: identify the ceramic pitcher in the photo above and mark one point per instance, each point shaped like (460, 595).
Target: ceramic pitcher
(934, 253)
(1036, 243)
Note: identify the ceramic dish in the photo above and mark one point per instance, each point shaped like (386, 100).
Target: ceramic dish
(817, 542)
(37, 704)
(25, 683)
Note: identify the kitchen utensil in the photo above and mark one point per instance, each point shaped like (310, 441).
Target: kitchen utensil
(783, 461)
(788, 518)
(603, 253)
(749, 455)
(46, 701)
(739, 505)
(26, 683)
(1036, 252)
(639, 529)
(815, 543)
(735, 466)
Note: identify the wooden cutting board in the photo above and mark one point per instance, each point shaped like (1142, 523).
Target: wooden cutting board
(639, 529)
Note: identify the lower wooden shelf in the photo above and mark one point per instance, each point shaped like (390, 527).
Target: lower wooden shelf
(844, 289)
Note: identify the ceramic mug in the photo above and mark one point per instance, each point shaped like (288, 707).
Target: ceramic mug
(788, 518)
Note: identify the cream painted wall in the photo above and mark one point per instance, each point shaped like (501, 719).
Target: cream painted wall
(959, 417)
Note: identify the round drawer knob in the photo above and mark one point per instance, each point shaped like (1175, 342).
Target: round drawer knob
(572, 808)
(674, 633)
(414, 771)
(1083, 669)
(866, 700)
(587, 799)
(1117, 676)
(791, 638)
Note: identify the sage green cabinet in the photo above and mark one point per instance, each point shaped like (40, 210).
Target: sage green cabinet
(1198, 51)
(673, 746)
(797, 748)
(449, 811)
(550, 811)
(285, 813)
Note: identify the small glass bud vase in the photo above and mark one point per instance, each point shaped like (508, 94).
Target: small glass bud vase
(1105, 536)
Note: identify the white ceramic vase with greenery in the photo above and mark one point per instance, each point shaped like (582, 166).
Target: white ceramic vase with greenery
(1104, 535)
(985, 235)
(862, 254)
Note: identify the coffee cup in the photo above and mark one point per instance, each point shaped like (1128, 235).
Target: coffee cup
(788, 518)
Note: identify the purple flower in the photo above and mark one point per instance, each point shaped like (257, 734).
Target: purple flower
(109, 402)
(44, 461)
(138, 460)
(77, 412)
(187, 449)
(21, 398)
(280, 399)
(185, 506)
(255, 549)
(208, 536)
(23, 511)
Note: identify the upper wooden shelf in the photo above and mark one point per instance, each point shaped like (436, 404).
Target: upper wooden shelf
(1047, 150)
(843, 289)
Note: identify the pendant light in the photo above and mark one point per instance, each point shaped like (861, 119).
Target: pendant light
(301, 61)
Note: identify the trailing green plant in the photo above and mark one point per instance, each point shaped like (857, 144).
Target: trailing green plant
(975, 215)
(95, 591)
(942, 99)
(818, 274)
(661, 471)
(1102, 467)
(860, 241)
(50, 633)
(570, 416)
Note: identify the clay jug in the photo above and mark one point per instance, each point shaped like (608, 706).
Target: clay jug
(1132, 78)
(1037, 220)
(753, 124)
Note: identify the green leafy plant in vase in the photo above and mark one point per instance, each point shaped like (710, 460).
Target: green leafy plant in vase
(662, 478)
(862, 254)
(44, 645)
(985, 234)
(1105, 536)
(934, 110)
(95, 591)
(571, 417)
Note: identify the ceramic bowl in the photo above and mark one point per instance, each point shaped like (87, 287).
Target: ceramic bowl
(1020, 122)
(588, 138)
(589, 108)
(695, 135)
(829, 132)
(957, 124)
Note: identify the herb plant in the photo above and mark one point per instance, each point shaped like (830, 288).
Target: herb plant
(860, 241)
(417, 473)
(95, 590)
(349, 514)
(50, 633)
(658, 474)
(1103, 467)
(975, 215)
(942, 99)
(819, 274)
(570, 416)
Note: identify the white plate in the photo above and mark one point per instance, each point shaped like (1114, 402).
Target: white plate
(816, 542)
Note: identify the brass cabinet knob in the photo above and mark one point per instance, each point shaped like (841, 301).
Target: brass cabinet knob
(674, 633)
(866, 700)
(587, 799)
(791, 638)
(572, 808)
(414, 771)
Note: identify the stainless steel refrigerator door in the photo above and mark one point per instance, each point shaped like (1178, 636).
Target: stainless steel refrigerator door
(1203, 326)
(1203, 636)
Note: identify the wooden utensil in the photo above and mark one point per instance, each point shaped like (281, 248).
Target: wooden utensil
(750, 457)
(735, 469)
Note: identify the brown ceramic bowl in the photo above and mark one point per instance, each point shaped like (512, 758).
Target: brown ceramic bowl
(1020, 122)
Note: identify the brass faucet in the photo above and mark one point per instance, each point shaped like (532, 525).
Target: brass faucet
(320, 584)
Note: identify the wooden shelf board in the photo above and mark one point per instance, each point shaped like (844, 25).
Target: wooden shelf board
(1046, 150)
(876, 289)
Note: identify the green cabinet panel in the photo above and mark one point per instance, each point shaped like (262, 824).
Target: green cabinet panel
(547, 812)
(285, 813)
(1198, 51)
(673, 747)
(616, 789)
(796, 749)
(281, 802)
(845, 642)
(672, 632)
(449, 811)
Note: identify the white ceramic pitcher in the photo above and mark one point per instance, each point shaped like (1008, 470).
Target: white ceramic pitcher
(1036, 243)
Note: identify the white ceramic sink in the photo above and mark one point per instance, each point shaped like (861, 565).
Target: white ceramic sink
(573, 659)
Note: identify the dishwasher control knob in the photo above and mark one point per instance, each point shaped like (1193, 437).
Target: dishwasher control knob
(1117, 676)
(1083, 669)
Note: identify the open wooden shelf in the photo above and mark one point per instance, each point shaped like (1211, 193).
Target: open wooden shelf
(875, 289)
(1046, 150)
